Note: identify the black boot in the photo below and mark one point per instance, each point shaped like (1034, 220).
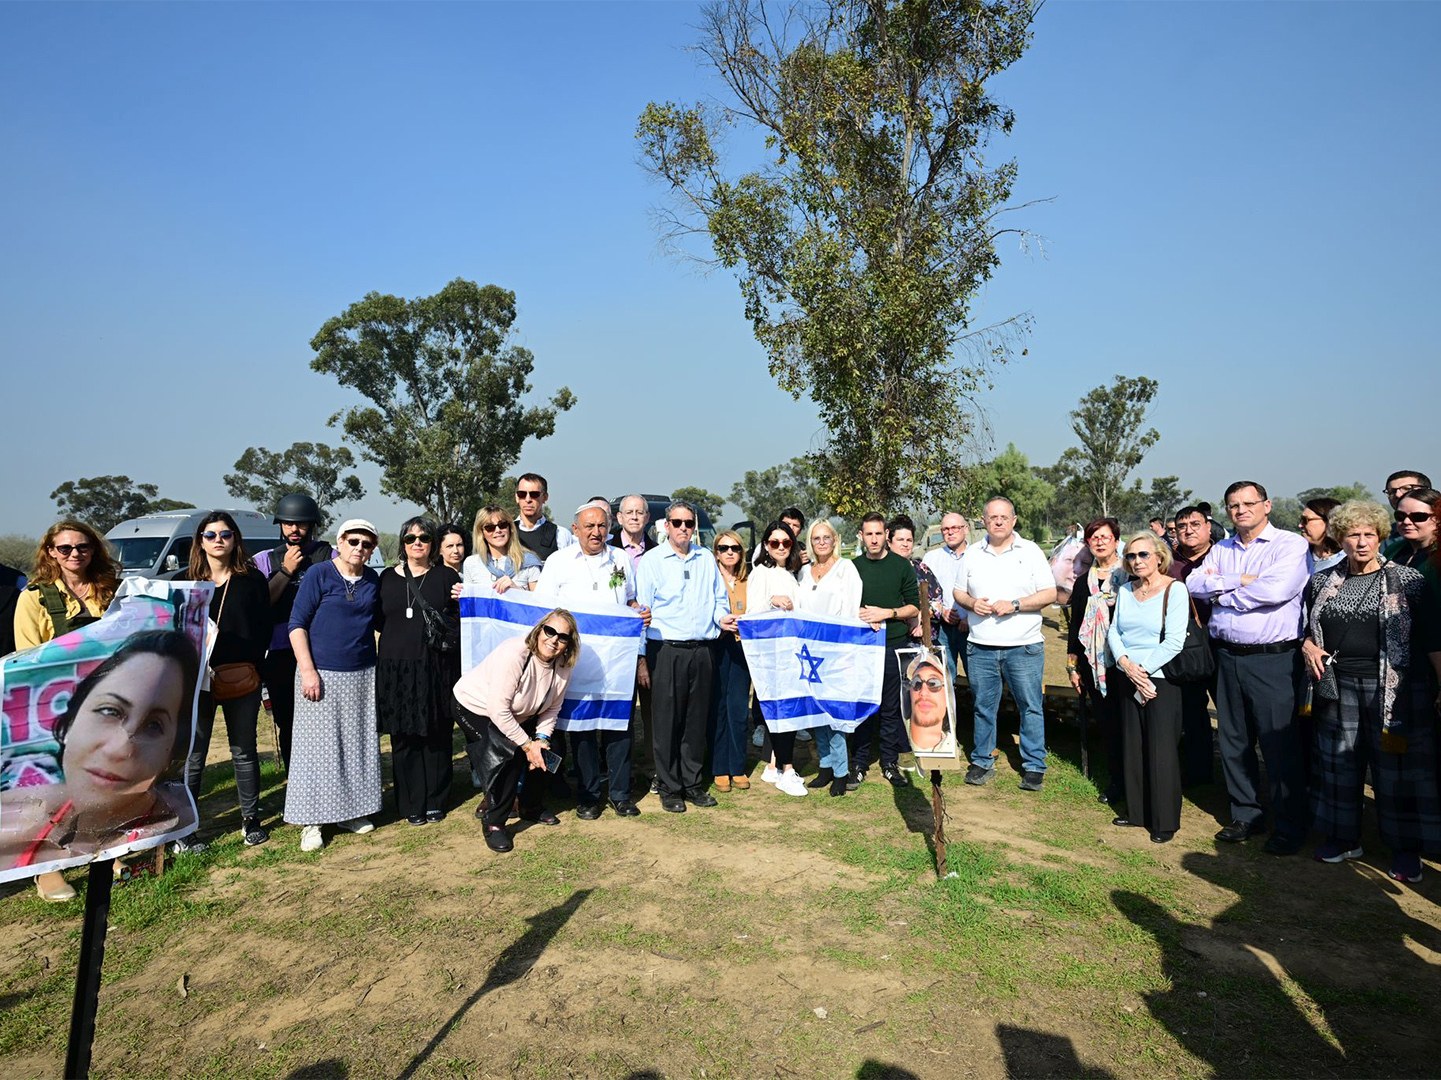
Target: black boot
(824, 778)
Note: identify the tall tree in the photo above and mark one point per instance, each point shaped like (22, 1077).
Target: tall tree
(1341, 493)
(106, 501)
(708, 501)
(262, 476)
(763, 494)
(1010, 475)
(1110, 423)
(446, 386)
(1166, 496)
(861, 240)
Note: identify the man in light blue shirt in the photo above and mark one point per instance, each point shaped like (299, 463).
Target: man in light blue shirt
(681, 585)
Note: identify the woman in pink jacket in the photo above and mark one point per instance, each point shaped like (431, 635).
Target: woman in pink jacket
(508, 707)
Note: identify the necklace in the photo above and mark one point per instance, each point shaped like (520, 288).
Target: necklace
(1145, 590)
(350, 584)
(590, 564)
(820, 570)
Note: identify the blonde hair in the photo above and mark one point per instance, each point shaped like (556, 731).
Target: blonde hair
(484, 516)
(1348, 515)
(743, 567)
(572, 651)
(1159, 546)
(822, 523)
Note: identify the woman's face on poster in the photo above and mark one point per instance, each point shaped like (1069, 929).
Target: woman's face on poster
(121, 739)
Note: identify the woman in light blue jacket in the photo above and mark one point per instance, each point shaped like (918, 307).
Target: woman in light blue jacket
(1150, 706)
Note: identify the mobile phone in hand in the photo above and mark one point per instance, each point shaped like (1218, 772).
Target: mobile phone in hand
(551, 759)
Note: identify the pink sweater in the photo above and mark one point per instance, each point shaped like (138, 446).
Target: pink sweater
(510, 691)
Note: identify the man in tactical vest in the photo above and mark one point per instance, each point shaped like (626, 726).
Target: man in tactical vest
(536, 534)
(297, 515)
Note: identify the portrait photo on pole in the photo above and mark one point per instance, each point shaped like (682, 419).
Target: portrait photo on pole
(95, 727)
(928, 707)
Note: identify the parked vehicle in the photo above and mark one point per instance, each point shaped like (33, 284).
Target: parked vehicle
(158, 545)
(705, 532)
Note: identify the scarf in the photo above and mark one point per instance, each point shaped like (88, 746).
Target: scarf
(1096, 622)
(1398, 592)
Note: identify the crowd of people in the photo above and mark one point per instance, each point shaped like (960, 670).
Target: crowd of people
(1320, 647)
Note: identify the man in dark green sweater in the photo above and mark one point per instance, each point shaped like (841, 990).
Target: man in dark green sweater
(889, 597)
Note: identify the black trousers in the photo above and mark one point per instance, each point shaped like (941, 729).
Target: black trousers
(1153, 764)
(1106, 715)
(589, 748)
(1256, 705)
(422, 769)
(278, 672)
(784, 745)
(1198, 743)
(680, 682)
(240, 717)
(505, 782)
(886, 720)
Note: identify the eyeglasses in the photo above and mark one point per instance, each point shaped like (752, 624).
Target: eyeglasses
(952, 528)
(1233, 507)
(780, 545)
(364, 545)
(728, 547)
(930, 684)
(495, 526)
(682, 523)
(223, 534)
(1186, 526)
(1133, 556)
(551, 632)
(66, 550)
(1401, 489)
(1415, 517)
(416, 538)
(528, 495)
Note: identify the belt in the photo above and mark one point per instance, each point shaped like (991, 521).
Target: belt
(685, 644)
(1252, 650)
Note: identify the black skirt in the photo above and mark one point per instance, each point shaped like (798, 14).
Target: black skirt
(412, 697)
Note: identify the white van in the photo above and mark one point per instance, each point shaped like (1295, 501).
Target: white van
(158, 545)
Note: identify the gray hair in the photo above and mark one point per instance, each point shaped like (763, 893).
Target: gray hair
(644, 502)
(676, 504)
(1347, 517)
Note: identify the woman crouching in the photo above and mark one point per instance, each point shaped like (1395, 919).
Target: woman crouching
(508, 707)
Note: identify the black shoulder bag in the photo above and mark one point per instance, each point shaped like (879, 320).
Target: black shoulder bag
(440, 635)
(1194, 663)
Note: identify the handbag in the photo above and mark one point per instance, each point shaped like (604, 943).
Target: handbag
(440, 635)
(231, 681)
(1195, 662)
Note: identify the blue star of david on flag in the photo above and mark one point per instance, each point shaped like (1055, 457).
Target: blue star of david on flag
(810, 665)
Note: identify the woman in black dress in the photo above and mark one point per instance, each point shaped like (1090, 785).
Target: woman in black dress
(413, 678)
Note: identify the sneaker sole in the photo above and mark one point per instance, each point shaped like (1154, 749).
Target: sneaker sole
(1354, 853)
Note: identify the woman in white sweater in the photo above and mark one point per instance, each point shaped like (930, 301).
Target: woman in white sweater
(772, 587)
(509, 703)
(829, 585)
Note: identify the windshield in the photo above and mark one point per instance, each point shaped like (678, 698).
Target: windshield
(139, 552)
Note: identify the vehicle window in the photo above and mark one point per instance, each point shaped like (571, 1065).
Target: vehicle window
(181, 551)
(138, 552)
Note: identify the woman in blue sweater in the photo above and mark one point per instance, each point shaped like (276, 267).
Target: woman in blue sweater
(1150, 706)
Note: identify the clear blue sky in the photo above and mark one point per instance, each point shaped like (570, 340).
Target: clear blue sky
(1244, 208)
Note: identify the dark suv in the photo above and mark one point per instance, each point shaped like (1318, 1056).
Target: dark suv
(656, 504)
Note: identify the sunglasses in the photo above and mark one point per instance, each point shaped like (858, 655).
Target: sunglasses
(1415, 517)
(930, 684)
(416, 538)
(223, 534)
(1132, 556)
(67, 550)
(527, 495)
(779, 545)
(682, 523)
(495, 526)
(364, 545)
(728, 547)
(551, 632)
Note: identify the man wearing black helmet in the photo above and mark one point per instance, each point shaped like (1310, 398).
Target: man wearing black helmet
(297, 515)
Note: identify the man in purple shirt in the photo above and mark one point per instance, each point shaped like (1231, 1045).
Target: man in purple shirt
(1253, 581)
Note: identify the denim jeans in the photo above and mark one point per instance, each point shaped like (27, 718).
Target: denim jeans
(831, 746)
(730, 708)
(1022, 667)
(953, 635)
(240, 720)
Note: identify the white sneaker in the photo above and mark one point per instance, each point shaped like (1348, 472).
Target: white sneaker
(791, 783)
(357, 825)
(770, 776)
(310, 838)
(758, 737)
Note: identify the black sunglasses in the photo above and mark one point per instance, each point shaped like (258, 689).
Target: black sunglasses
(355, 541)
(223, 534)
(416, 538)
(930, 684)
(728, 547)
(1132, 556)
(682, 523)
(551, 632)
(1415, 517)
(519, 494)
(78, 549)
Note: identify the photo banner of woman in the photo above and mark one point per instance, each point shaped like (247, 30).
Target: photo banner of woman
(603, 683)
(90, 723)
(811, 669)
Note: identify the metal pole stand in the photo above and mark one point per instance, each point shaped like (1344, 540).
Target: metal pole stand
(87, 975)
(938, 812)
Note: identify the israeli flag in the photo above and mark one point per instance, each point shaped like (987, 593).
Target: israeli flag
(603, 683)
(810, 669)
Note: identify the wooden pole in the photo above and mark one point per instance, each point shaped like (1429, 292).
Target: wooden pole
(87, 975)
(938, 811)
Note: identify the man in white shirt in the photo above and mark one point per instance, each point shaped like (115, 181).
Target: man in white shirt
(945, 562)
(592, 568)
(1004, 584)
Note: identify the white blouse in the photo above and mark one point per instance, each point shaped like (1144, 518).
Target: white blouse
(838, 593)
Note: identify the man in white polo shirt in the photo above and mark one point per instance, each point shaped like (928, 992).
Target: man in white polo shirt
(1003, 584)
(945, 562)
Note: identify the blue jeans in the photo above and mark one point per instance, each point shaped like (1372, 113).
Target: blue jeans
(831, 746)
(729, 708)
(1022, 667)
(954, 637)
